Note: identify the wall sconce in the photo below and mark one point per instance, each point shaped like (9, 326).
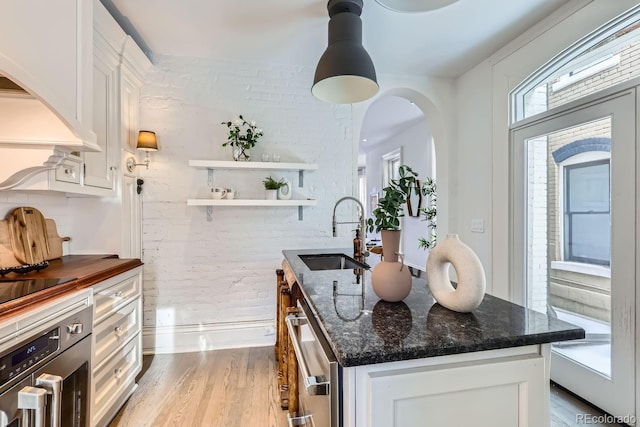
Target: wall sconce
(147, 142)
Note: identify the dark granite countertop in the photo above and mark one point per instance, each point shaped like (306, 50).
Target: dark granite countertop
(362, 329)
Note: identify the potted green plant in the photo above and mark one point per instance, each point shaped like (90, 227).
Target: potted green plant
(386, 217)
(429, 212)
(242, 136)
(271, 187)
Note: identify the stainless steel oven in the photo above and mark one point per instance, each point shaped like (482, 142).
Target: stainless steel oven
(319, 373)
(44, 377)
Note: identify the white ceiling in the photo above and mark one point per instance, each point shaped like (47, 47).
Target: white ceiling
(444, 42)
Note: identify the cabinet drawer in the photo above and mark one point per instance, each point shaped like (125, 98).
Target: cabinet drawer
(112, 379)
(112, 333)
(110, 299)
(68, 171)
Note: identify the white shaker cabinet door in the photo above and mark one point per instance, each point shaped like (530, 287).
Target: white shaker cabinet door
(505, 391)
(100, 166)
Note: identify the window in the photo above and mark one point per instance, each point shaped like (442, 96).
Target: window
(391, 166)
(362, 186)
(603, 59)
(587, 212)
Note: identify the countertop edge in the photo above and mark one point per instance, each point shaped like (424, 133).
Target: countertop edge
(349, 361)
(31, 301)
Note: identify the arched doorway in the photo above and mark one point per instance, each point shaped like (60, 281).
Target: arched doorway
(398, 129)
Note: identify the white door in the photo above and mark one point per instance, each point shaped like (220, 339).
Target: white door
(574, 219)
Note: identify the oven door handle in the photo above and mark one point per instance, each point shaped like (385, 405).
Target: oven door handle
(304, 420)
(32, 399)
(53, 385)
(315, 385)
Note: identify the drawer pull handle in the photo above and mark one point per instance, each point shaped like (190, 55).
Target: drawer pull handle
(68, 172)
(118, 294)
(304, 420)
(118, 331)
(117, 372)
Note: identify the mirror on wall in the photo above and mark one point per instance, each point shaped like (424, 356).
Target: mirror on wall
(414, 201)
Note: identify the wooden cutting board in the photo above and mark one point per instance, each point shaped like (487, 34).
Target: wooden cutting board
(55, 241)
(8, 259)
(28, 233)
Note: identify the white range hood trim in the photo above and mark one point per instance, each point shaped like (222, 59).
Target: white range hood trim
(27, 121)
(50, 158)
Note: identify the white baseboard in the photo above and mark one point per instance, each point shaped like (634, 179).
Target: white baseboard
(204, 337)
(417, 267)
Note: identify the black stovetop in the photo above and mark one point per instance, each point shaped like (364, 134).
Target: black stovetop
(14, 288)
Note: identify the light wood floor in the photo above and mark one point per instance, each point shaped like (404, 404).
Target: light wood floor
(224, 388)
(565, 407)
(229, 388)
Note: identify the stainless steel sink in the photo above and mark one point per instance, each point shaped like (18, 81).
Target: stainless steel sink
(331, 262)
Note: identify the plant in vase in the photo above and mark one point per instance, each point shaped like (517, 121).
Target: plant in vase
(242, 136)
(386, 217)
(271, 187)
(390, 279)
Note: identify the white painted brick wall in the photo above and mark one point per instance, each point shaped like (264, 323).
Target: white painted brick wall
(537, 273)
(210, 273)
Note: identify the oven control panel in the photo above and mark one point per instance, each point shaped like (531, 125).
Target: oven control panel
(28, 355)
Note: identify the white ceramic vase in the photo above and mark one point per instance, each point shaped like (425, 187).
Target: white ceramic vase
(284, 192)
(271, 194)
(469, 293)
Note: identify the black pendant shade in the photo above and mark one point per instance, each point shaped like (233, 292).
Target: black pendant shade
(345, 73)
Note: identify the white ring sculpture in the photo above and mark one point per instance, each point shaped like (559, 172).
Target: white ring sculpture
(469, 293)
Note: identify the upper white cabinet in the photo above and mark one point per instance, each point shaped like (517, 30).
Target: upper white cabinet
(118, 67)
(46, 48)
(100, 166)
(119, 70)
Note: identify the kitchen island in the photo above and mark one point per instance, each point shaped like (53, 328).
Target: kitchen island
(417, 363)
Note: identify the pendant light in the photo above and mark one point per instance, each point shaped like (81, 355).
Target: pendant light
(345, 72)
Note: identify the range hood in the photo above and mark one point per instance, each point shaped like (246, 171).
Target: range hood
(33, 138)
(26, 120)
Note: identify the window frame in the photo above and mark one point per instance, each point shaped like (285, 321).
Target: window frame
(590, 158)
(563, 59)
(388, 160)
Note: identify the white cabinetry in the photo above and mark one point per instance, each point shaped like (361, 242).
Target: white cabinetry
(100, 166)
(211, 165)
(54, 62)
(498, 388)
(117, 343)
(118, 67)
